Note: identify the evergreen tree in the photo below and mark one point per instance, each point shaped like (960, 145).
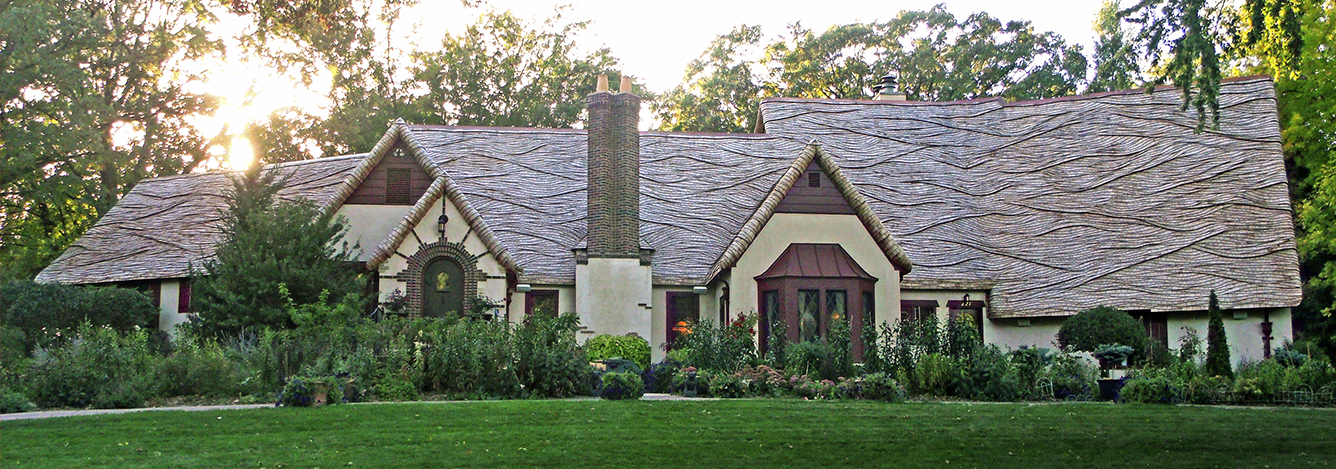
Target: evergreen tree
(274, 253)
(1217, 348)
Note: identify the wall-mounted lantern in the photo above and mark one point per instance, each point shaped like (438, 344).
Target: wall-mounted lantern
(441, 221)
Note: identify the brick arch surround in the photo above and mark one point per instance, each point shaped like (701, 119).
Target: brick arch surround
(430, 252)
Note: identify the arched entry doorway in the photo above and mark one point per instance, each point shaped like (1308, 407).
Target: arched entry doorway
(443, 288)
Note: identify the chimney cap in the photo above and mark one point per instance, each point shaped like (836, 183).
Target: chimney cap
(887, 84)
(626, 84)
(602, 84)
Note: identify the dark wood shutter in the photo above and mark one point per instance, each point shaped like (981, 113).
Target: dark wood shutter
(183, 300)
(398, 186)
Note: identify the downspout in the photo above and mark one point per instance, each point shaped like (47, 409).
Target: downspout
(724, 304)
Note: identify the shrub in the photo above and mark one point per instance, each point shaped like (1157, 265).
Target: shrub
(397, 389)
(617, 386)
(937, 375)
(550, 363)
(32, 307)
(630, 347)
(841, 351)
(731, 385)
(1152, 390)
(659, 376)
(806, 358)
(1289, 358)
(1217, 347)
(302, 391)
(1189, 345)
(1030, 363)
(878, 387)
(724, 349)
(1103, 325)
(12, 402)
(97, 367)
(13, 344)
(1072, 376)
(763, 381)
(199, 368)
(990, 377)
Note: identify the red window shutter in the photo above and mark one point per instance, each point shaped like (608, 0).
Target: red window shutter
(183, 301)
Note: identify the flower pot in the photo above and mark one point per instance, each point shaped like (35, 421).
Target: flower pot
(1109, 388)
(321, 394)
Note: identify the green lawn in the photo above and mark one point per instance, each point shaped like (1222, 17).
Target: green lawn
(736, 433)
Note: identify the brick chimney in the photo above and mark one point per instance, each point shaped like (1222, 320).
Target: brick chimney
(613, 275)
(614, 172)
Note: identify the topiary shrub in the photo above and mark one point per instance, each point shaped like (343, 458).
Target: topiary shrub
(1103, 325)
(630, 347)
(617, 386)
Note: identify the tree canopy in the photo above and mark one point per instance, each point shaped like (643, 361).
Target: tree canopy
(92, 100)
(937, 56)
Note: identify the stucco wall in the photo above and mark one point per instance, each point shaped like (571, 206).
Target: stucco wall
(1009, 334)
(788, 228)
(659, 333)
(169, 298)
(565, 300)
(1243, 335)
(613, 296)
(368, 225)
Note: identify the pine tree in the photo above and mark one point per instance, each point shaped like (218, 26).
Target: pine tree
(1217, 348)
(274, 251)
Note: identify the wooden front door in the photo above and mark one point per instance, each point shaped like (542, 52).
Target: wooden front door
(443, 289)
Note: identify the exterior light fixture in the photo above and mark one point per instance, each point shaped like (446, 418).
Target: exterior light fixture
(523, 288)
(966, 298)
(441, 221)
(700, 290)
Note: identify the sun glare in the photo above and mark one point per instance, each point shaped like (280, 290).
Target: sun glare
(242, 155)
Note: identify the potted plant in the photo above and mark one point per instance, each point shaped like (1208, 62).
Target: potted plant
(1112, 360)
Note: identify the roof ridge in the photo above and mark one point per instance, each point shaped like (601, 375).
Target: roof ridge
(985, 100)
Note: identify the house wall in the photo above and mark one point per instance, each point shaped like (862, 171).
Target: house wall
(565, 300)
(169, 297)
(788, 228)
(709, 308)
(391, 271)
(369, 225)
(613, 296)
(1009, 334)
(1243, 335)
(943, 296)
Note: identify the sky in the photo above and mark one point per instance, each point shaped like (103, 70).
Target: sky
(653, 40)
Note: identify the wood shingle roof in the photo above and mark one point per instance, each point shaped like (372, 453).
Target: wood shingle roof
(1059, 205)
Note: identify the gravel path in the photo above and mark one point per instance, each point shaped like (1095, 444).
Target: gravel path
(73, 413)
